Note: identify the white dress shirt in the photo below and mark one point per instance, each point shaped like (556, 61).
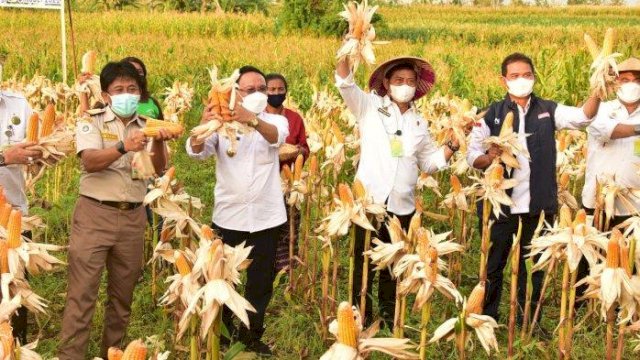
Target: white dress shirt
(566, 117)
(612, 156)
(14, 109)
(247, 195)
(388, 178)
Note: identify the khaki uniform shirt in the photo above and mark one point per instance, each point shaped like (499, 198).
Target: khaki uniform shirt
(103, 130)
(14, 114)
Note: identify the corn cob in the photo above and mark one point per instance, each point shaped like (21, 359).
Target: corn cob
(89, 61)
(5, 214)
(497, 174)
(345, 194)
(297, 170)
(166, 234)
(581, 218)
(225, 98)
(347, 331)
(358, 189)
(507, 124)
(564, 180)
(419, 205)
(136, 350)
(48, 120)
(152, 128)
(3, 197)
(182, 264)
(286, 173)
(32, 128)
(207, 232)
(6, 337)
(613, 249)
(114, 354)
(624, 259)
(591, 46)
(433, 264)
(565, 216)
(475, 303)
(335, 129)
(214, 102)
(313, 165)
(170, 173)
(422, 244)
(14, 237)
(4, 257)
(455, 184)
(607, 44)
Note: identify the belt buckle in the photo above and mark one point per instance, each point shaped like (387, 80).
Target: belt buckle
(123, 206)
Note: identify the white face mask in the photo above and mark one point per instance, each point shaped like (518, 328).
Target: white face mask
(255, 102)
(402, 93)
(629, 93)
(520, 87)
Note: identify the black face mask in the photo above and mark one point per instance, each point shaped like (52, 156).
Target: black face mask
(276, 100)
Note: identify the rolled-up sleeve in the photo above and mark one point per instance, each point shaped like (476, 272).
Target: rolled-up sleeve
(430, 157)
(208, 150)
(570, 117)
(282, 126)
(354, 97)
(476, 147)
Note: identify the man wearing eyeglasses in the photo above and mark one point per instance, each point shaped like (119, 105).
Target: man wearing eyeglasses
(14, 152)
(535, 121)
(248, 196)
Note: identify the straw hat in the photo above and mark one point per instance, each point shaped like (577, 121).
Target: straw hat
(631, 64)
(426, 75)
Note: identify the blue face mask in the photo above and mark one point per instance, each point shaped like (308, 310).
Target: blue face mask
(124, 105)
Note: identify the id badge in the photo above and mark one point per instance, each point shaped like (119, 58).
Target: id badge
(396, 147)
(636, 147)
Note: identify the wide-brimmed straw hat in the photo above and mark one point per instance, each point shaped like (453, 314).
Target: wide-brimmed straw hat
(631, 64)
(426, 75)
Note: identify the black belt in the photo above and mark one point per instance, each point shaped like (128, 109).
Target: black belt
(120, 205)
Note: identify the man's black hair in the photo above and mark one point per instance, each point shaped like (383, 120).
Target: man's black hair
(249, 69)
(276, 76)
(144, 90)
(116, 70)
(398, 67)
(516, 57)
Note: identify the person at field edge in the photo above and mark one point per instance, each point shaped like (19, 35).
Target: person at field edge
(15, 112)
(615, 135)
(395, 142)
(536, 121)
(109, 219)
(248, 197)
(277, 89)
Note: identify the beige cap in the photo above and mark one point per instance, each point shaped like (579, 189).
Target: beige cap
(631, 64)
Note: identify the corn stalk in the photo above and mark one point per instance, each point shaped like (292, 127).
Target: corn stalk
(513, 301)
(365, 274)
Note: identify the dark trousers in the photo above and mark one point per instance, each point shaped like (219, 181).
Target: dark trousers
(386, 284)
(260, 276)
(502, 233)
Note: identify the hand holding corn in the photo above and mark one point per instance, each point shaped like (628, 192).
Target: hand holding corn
(135, 142)
(21, 154)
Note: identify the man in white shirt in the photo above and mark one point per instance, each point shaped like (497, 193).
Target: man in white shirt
(536, 190)
(614, 142)
(248, 195)
(395, 143)
(15, 112)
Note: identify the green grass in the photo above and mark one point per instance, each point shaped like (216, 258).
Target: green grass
(465, 46)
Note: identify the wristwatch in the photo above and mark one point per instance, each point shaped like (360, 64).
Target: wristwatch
(254, 122)
(636, 129)
(120, 147)
(2, 161)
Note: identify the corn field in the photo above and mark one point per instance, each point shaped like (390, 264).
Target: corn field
(465, 47)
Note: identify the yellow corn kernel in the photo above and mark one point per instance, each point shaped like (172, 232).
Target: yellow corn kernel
(297, 169)
(475, 303)
(419, 205)
(313, 165)
(182, 264)
(564, 180)
(507, 124)
(3, 197)
(5, 214)
(624, 259)
(48, 120)
(347, 330)
(154, 131)
(613, 249)
(422, 244)
(497, 174)
(32, 128)
(114, 354)
(286, 173)
(591, 46)
(335, 129)
(345, 194)
(4, 257)
(14, 229)
(607, 44)
(207, 232)
(565, 216)
(455, 184)
(581, 218)
(358, 189)
(136, 350)
(6, 338)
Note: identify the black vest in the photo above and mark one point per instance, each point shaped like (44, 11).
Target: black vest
(540, 123)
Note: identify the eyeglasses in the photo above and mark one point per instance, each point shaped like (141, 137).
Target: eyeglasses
(249, 91)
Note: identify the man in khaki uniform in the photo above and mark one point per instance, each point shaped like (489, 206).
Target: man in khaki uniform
(109, 219)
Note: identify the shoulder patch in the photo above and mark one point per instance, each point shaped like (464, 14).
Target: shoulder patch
(85, 128)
